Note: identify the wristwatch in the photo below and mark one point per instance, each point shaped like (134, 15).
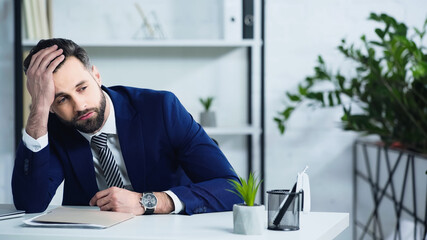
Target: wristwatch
(148, 202)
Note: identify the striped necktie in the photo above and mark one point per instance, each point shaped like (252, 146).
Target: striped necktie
(108, 164)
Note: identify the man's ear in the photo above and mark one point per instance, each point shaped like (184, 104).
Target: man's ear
(96, 75)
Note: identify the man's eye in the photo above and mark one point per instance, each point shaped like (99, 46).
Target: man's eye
(61, 100)
(82, 89)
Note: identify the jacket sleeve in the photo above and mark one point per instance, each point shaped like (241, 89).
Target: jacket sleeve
(202, 161)
(35, 178)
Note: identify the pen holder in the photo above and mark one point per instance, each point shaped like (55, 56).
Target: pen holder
(283, 210)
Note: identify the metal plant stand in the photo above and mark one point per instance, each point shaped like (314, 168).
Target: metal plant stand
(389, 188)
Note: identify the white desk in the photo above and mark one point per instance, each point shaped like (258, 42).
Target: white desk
(218, 226)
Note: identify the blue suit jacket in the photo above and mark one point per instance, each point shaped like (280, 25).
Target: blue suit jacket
(161, 144)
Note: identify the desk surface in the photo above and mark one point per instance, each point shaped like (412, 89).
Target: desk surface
(315, 225)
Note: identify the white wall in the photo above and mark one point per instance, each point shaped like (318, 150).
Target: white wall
(296, 33)
(7, 109)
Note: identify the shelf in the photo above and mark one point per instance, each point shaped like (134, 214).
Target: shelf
(232, 130)
(161, 43)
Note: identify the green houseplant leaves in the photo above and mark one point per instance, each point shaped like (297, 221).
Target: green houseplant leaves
(389, 86)
(207, 103)
(246, 190)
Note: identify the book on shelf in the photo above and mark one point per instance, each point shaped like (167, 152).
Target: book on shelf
(29, 19)
(35, 16)
(35, 8)
(44, 23)
(23, 24)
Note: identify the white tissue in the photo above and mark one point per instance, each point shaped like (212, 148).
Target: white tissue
(303, 183)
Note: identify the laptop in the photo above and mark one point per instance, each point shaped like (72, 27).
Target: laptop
(9, 211)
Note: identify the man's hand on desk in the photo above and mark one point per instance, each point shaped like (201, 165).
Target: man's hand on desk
(122, 200)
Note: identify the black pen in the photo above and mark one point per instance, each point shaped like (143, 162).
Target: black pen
(285, 205)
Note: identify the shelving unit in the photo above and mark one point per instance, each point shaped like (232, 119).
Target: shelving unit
(252, 130)
(163, 43)
(233, 131)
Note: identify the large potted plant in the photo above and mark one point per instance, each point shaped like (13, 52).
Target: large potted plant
(386, 96)
(248, 218)
(388, 89)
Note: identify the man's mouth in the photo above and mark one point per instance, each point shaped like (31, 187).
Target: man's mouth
(86, 116)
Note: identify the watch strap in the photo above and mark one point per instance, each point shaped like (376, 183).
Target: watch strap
(148, 211)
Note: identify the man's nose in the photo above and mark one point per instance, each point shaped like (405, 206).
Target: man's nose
(79, 104)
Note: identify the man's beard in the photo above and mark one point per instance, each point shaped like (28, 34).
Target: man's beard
(90, 125)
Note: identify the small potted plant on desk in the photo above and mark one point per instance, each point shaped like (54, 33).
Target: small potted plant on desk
(207, 118)
(248, 218)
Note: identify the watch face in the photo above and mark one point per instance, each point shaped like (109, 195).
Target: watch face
(149, 200)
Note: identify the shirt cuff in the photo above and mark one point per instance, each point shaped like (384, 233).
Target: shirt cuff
(34, 145)
(179, 206)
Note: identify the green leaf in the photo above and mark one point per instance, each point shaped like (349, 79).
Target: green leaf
(293, 97)
(374, 16)
(341, 80)
(246, 190)
(282, 128)
(338, 97)
(331, 101)
(380, 44)
(320, 60)
(318, 96)
(380, 33)
(206, 102)
(287, 113)
(302, 90)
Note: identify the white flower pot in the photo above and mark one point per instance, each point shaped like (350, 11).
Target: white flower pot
(249, 220)
(208, 119)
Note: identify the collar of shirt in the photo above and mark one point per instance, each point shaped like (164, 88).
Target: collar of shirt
(109, 126)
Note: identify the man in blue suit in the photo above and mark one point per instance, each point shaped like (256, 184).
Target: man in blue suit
(120, 148)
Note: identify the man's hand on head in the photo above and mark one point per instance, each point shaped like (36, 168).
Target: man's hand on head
(41, 87)
(40, 75)
(122, 200)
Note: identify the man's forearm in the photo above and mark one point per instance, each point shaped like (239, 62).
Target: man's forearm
(164, 203)
(122, 200)
(37, 122)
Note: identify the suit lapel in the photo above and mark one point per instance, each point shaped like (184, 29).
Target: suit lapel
(130, 132)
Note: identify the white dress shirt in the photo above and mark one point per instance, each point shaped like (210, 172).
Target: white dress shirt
(109, 127)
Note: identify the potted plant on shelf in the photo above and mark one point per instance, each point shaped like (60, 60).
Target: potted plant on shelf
(248, 218)
(207, 118)
(389, 87)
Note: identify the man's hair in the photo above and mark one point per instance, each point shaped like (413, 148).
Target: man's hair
(69, 48)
